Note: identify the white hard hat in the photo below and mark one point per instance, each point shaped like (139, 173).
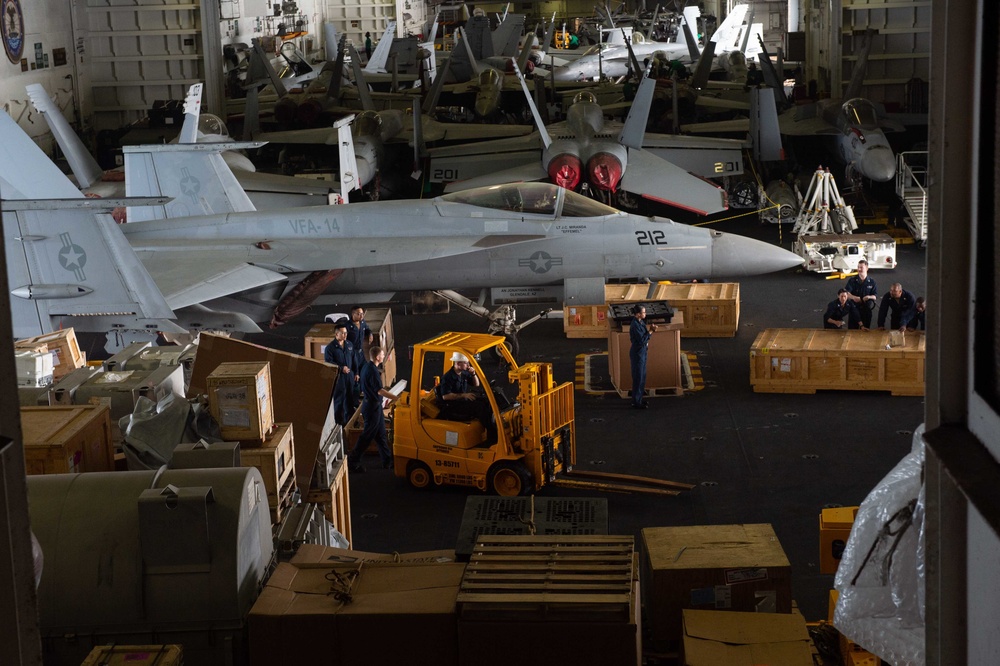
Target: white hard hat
(459, 356)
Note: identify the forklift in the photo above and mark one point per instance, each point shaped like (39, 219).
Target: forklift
(536, 427)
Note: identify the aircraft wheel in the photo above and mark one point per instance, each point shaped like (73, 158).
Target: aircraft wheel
(510, 479)
(512, 345)
(419, 475)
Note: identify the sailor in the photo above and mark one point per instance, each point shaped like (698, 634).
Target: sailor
(639, 333)
(358, 334)
(863, 293)
(903, 306)
(340, 353)
(371, 383)
(368, 46)
(755, 77)
(842, 313)
(919, 322)
(460, 402)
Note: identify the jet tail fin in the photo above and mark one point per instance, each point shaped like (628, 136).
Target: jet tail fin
(764, 133)
(522, 60)
(703, 70)
(330, 39)
(652, 24)
(728, 31)
(435, 93)
(861, 66)
(192, 112)
(349, 179)
(549, 33)
(546, 139)
(634, 128)
(504, 39)
(359, 80)
(380, 56)
(263, 66)
(81, 162)
(692, 42)
(337, 75)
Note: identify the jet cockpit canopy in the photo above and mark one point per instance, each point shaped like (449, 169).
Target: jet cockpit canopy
(861, 112)
(536, 198)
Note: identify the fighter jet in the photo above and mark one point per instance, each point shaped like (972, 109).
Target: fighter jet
(854, 124)
(607, 156)
(613, 60)
(68, 263)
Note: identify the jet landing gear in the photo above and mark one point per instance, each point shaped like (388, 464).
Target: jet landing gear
(502, 321)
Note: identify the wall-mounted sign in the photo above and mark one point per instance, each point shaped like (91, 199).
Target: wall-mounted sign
(12, 29)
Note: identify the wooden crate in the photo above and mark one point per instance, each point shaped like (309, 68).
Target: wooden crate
(804, 360)
(239, 397)
(61, 440)
(287, 497)
(552, 578)
(585, 321)
(275, 459)
(388, 370)
(379, 320)
(336, 501)
(68, 356)
(711, 310)
(135, 655)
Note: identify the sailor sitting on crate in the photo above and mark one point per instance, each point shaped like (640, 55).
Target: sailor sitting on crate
(460, 401)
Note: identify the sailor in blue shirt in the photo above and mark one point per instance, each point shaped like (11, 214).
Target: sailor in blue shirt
(460, 402)
(340, 353)
(863, 293)
(919, 321)
(371, 410)
(639, 332)
(842, 313)
(903, 306)
(358, 333)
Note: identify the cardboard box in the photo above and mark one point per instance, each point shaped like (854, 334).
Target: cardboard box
(719, 567)
(67, 440)
(834, 530)
(239, 397)
(717, 638)
(135, 655)
(663, 360)
(301, 392)
(376, 613)
(68, 356)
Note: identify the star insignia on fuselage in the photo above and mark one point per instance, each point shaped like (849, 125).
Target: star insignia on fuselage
(540, 262)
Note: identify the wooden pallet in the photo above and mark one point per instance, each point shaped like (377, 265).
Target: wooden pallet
(554, 578)
(287, 497)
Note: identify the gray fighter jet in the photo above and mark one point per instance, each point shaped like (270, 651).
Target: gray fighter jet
(70, 264)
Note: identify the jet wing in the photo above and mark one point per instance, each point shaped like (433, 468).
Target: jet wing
(467, 132)
(254, 181)
(804, 121)
(319, 135)
(189, 278)
(659, 180)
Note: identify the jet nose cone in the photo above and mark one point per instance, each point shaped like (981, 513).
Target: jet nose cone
(564, 74)
(738, 256)
(879, 164)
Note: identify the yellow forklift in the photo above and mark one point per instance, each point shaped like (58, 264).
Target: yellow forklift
(536, 443)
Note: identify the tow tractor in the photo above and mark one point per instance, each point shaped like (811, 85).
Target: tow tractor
(536, 426)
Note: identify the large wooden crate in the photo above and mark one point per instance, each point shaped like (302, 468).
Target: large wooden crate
(63, 440)
(804, 360)
(549, 578)
(239, 397)
(68, 356)
(275, 459)
(336, 501)
(711, 310)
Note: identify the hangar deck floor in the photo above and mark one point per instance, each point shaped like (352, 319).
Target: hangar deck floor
(754, 457)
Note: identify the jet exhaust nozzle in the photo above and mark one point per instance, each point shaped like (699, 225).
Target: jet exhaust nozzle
(566, 170)
(604, 171)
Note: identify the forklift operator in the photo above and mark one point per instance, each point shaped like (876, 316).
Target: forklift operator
(459, 402)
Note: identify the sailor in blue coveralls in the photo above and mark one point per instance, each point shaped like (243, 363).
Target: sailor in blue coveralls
(371, 410)
(903, 306)
(358, 333)
(863, 292)
(842, 313)
(340, 353)
(639, 333)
